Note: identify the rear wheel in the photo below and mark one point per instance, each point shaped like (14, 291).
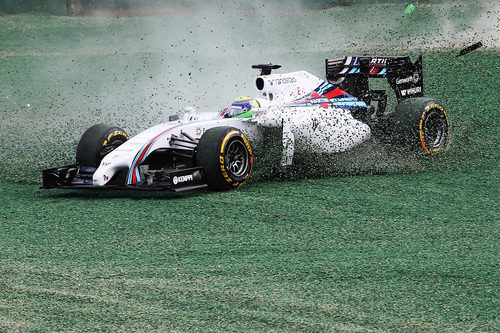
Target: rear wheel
(422, 124)
(98, 141)
(227, 157)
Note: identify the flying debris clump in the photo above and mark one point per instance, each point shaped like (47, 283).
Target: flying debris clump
(470, 48)
(409, 9)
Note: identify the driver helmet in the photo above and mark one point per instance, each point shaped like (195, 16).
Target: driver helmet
(242, 107)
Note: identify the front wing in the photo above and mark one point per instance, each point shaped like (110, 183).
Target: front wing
(78, 177)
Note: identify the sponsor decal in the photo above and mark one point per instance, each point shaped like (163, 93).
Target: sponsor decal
(181, 179)
(317, 99)
(411, 79)
(411, 91)
(374, 61)
(378, 61)
(285, 80)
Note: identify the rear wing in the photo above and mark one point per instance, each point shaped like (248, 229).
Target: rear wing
(351, 73)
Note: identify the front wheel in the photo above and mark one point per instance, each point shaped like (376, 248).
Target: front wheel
(422, 124)
(98, 141)
(227, 157)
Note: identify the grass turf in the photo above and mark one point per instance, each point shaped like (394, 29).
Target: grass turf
(406, 244)
(394, 252)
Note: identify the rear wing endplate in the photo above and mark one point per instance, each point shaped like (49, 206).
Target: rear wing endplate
(352, 73)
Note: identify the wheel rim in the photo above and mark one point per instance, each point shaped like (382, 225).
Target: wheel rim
(435, 130)
(237, 158)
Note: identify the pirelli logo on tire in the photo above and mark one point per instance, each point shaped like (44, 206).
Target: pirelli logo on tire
(223, 170)
(247, 144)
(114, 134)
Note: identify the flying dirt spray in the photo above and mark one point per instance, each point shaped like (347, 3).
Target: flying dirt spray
(127, 71)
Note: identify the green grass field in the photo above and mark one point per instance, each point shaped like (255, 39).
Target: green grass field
(388, 242)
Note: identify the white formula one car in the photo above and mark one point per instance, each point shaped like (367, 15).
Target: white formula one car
(214, 149)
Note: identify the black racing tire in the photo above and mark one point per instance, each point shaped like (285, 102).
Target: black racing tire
(421, 124)
(227, 157)
(98, 141)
